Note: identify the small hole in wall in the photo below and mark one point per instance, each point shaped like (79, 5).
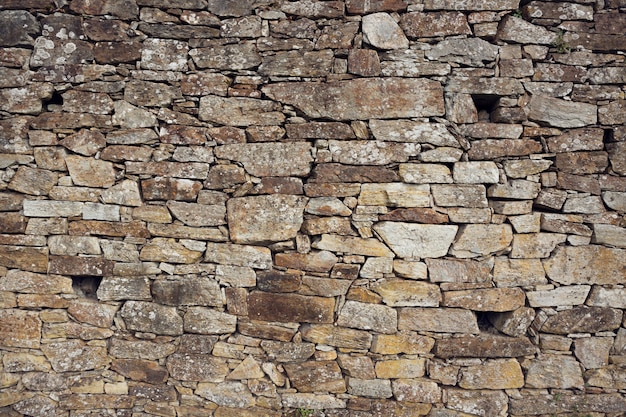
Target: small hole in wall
(54, 102)
(485, 104)
(484, 324)
(609, 136)
(86, 286)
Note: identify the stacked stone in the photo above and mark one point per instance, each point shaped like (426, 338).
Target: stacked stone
(356, 208)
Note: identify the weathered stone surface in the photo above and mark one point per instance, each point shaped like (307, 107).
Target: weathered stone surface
(270, 159)
(395, 195)
(368, 317)
(492, 148)
(515, 189)
(444, 320)
(585, 265)
(20, 328)
(353, 245)
(488, 403)
(476, 173)
(606, 234)
(267, 218)
(553, 371)
(459, 271)
(290, 308)
(416, 241)
(583, 319)
(168, 250)
(593, 352)
(560, 113)
(316, 376)
(493, 374)
(381, 31)
(201, 291)
(484, 346)
(371, 152)
(416, 390)
(404, 98)
(239, 111)
(298, 63)
(535, 245)
(208, 321)
(90, 172)
(196, 367)
(471, 51)
(337, 336)
(465, 195)
(164, 188)
(152, 318)
(605, 297)
(513, 323)
(542, 404)
(239, 255)
(477, 240)
(492, 299)
(370, 388)
(33, 181)
(400, 293)
(140, 370)
(561, 296)
(75, 355)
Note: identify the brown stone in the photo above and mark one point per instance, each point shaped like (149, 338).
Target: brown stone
(20, 328)
(496, 299)
(140, 370)
(492, 148)
(419, 24)
(290, 308)
(411, 98)
(25, 258)
(33, 181)
(94, 401)
(316, 376)
(364, 62)
(493, 374)
(568, 403)
(446, 320)
(278, 281)
(583, 319)
(336, 336)
(152, 318)
(337, 173)
(13, 223)
(164, 188)
(415, 215)
(106, 228)
(75, 355)
(484, 346)
(586, 265)
(201, 291)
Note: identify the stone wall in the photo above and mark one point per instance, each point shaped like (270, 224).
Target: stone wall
(329, 208)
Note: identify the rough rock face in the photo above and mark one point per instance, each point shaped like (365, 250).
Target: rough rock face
(347, 208)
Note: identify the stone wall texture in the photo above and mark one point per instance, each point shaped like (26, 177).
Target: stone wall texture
(341, 208)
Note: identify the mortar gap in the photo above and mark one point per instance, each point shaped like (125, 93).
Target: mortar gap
(86, 286)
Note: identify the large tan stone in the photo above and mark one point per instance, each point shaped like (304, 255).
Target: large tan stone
(316, 376)
(586, 265)
(353, 245)
(441, 320)
(403, 293)
(493, 374)
(152, 318)
(477, 240)
(402, 342)
(75, 355)
(488, 299)
(384, 98)
(239, 255)
(90, 172)
(267, 218)
(367, 316)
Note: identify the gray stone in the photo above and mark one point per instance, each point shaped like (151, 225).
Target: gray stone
(227, 57)
(75, 356)
(593, 352)
(240, 111)
(197, 367)
(561, 113)
(270, 159)
(269, 218)
(381, 31)
(164, 55)
(298, 64)
(371, 152)
(370, 388)
(570, 295)
(367, 316)
(478, 240)
(441, 320)
(553, 371)
(472, 51)
(128, 116)
(518, 30)
(607, 234)
(416, 241)
(425, 173)
(152, 318)
(464, 195)
(410, 131)
(208, 321)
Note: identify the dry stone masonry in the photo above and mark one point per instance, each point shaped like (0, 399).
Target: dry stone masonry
(341, 208)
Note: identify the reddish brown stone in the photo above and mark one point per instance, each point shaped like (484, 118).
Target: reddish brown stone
(279, 185)
(266, 331)
(582, 183)
(582, 162)
(183, 135)
(364, 62)
(595, 41)
(13, 223)
(333, 173)
(140, 370)
(332, 189)
(79, 266)
(57, 120)
(419, 24)
(290, 308)
(415, 215)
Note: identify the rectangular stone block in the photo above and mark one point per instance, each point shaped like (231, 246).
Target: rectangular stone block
(441, 320)
(290, 308)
